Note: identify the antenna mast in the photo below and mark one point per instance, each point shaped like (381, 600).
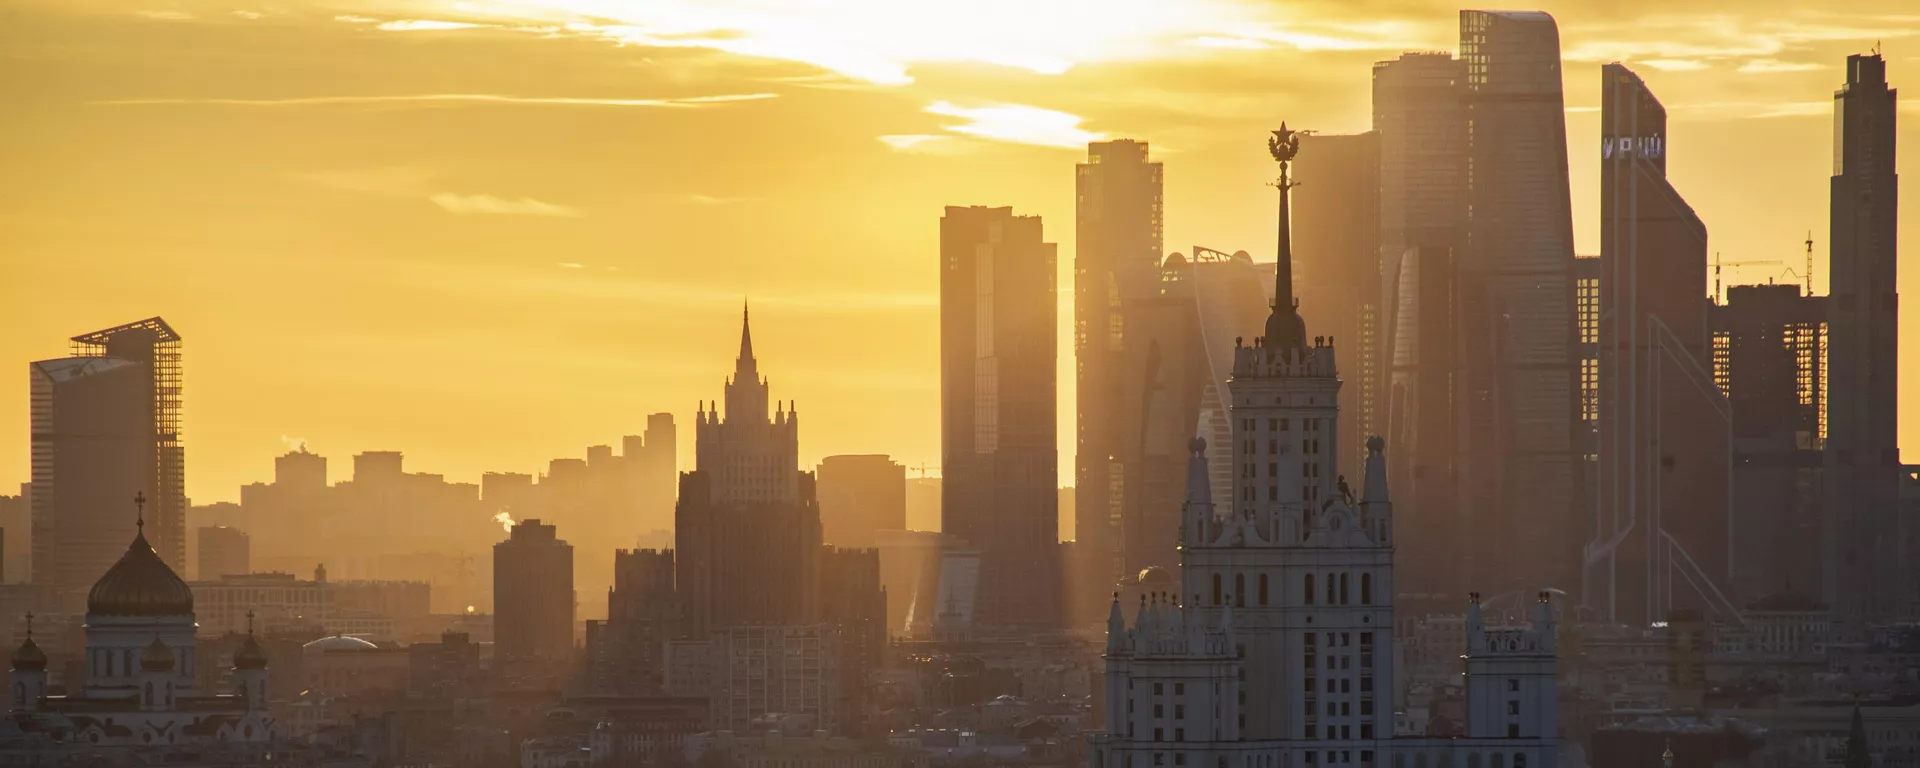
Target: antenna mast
(1809, 262)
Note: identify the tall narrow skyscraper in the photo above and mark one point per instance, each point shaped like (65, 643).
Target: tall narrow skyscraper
(998, 411)
(105, 425)
(1516, 310)
(1664, 426)
(1864, 578)
(1116, 268)
(1338, 267)
(747, 526)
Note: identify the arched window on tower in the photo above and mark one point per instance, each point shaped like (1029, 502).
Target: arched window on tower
(1366, 589)
(1263, 589)
(1309, 590)
(1216, 589)
(1343, 589)
(1239, 590)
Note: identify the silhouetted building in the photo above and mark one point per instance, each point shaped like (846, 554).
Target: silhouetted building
(1770, 358)
(224, 552)
(533, 599)
(1119, 242)
(910, 573)
(852, 599)
(1664, 426)
(449, 668)
(1338, 241)
(1864, 577)
(860, 496)
(1419, 112)
(626, 653)
(105, 423)
(1516, 310)
(1421, 413)
(747, 526)
(16, 514)
(998, 433)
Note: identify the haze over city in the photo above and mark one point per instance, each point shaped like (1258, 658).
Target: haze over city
(915, 384)
(489, 234)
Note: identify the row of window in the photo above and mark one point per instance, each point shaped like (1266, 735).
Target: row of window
(1337, 592)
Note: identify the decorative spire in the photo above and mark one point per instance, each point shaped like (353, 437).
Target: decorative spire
(1285, 329)
(745, 363)
(1858, 756)
(140, 511)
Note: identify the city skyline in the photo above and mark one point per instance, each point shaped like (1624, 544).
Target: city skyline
(515, 307)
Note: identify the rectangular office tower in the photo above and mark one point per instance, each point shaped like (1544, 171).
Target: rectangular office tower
(1116, 270)
(533, 595)
(1770, 357)
(1661, 505)
(1864, 577)
(105, 426)
(997, 412)
(747, 526)
(1338, 243)
(1516, 310)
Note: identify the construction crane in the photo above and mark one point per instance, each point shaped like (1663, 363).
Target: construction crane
(1806, 275)
(1717, 264)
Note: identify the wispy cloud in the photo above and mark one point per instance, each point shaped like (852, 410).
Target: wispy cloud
(880, 41)
(165, 15)
(488, 204)
(416, 184)
(1709, 37)
(570, 265)
(1775, 65)
(1676, 65)
(449, 98)
(910, 142)
(715, 200)
(424, 25)
(1018, 124)
(249, 15)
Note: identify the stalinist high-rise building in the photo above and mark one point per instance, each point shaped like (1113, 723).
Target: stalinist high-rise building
(1278, 647)
(747, 527)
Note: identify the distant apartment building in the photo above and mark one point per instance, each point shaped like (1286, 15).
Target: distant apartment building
(104, 426)
(859, 496)
(998, 370)
(626, 653)
(224, 551)
(533, 598)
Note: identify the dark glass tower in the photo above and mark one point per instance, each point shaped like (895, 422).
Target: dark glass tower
(1864, 577)
(1662, 472)
(998, 411)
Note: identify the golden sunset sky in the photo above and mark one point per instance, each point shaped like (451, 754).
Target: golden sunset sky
(492, 232)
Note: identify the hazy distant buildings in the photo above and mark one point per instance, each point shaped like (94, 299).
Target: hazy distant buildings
(998, 372)
(533, 598)
(1864, 578)
(1337, 238)
(1420, 114)
(1119, 243)
(626, 652)
(747, 526)
(910, 573)
(1662, 495)
(1515, 310)
(753, 672)
(860, 496)
(1230, 296)
(224, 551)
(104, 425)
(1770, 357)
(853, 600)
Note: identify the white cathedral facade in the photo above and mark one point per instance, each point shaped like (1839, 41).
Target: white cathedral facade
(140, 685)
(1278, 649)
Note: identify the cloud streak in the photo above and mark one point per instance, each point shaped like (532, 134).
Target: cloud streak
(499, 206)
(447, 98)
(1015, 124)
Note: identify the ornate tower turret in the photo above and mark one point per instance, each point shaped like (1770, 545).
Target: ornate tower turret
(29, 676)
(250, 670)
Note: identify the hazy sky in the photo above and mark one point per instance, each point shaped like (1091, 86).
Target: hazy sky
(492, 232)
